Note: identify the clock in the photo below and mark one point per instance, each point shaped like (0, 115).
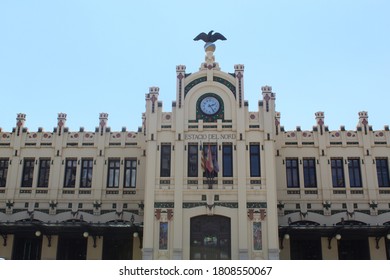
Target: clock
(209, 105)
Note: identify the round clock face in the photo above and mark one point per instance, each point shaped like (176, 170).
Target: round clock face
(209, 105)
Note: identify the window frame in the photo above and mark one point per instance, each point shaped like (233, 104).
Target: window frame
(309, 173)
(4, 163)
(254, 160)
(165, 160)
(337, 172)
(114, 165)
(292, 173)
(70, 181)
(382, 172)
(214, 155)
(354, 173)
(227, 160)
(44, 172)
(28, 172)
(192, 160)
(131, 166)
(88, 171)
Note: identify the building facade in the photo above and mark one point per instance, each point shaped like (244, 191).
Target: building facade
(208, 180)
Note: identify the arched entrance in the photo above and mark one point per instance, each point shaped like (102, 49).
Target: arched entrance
(210, 238)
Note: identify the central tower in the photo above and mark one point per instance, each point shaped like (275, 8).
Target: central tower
(210, 157)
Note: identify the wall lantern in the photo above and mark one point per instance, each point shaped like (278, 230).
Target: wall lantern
(379, 238)
(337, 237)
(38, 233)
(285, 236)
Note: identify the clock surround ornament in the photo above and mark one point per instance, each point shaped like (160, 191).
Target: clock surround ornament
(209, 108)
(209, 105)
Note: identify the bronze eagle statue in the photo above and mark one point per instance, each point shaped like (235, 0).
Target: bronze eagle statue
(210, 37)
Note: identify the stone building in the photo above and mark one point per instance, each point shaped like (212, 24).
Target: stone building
(208, 180)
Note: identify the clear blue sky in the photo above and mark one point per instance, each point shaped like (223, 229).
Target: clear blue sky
(86, 57)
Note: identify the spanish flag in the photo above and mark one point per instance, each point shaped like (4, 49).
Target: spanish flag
(209, 160)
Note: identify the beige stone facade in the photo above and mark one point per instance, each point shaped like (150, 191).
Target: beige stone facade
(208, 180)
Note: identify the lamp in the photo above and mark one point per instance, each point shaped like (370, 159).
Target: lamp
(337, 237)
(86, 234)
(38, 233)
(379, 238)
(285, 236)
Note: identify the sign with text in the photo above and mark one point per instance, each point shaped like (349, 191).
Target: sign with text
(209, 136)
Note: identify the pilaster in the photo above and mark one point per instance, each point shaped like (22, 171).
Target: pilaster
(240, 108)
(270, 171)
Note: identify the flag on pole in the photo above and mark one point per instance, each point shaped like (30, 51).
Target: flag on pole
(209, 160)
(216, 166)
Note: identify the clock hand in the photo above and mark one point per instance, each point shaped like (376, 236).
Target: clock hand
(212, 108)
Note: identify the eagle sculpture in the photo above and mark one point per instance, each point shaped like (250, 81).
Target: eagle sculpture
(210, 37)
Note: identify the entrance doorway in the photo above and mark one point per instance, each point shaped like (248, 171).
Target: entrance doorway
(72, 248)
(354, 249)
(117, 247)
(210, 238)
(306, 249)
(27, 248)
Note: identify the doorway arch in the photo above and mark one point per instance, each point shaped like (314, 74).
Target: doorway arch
(210, 238)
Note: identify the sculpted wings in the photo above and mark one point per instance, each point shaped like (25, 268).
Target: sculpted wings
(216, 36)
(202, 36)
(210, 37)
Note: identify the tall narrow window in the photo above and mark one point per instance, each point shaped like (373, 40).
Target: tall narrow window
(113, 173)
(192, 160)
(292, 173)
(70, 173)
(337, 172)
(210, 163)
(130, 173)
(382, 171)
(28, 172)
(309, 172)
(227, 160)
(165, 163)
(3, 172)
(254, 155)
(44, 172)
(86, 173)
(355, 177)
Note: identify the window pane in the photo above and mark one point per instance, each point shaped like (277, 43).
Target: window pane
(165, 169)
(113, 173)
(227, 158)
(86, 173)
(382, 170)
(28, 173)
(130, 173)
(70, 173)
(193, 160)
(3, 172)
(292, 173)
(309, 172)
(337, 173)
(254, 155)
(44, 171)
(354, 172)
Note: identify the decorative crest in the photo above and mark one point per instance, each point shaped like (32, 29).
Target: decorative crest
(209, 39)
